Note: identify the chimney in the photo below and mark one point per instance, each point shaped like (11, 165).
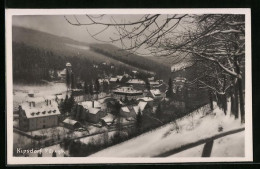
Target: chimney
(93, 103)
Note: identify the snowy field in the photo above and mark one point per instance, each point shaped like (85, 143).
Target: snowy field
(200, 124)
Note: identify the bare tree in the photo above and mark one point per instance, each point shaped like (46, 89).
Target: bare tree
(214, 41)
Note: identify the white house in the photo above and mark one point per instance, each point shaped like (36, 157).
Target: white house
(38, 113)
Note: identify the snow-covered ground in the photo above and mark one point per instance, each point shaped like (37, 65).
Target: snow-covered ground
(97, 138)
(50, 132)
(198, 125)
(228, 146)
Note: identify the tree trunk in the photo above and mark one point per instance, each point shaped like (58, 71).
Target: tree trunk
(210, 99)
(241, 100)
(224, 97)
(240, 91)
(235, 101)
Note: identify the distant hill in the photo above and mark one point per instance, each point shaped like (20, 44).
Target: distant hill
(93, 52)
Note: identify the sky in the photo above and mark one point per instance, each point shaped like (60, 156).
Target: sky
(58, 25)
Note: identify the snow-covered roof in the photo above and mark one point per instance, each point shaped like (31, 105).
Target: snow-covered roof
(70, 121)
(61, 97)
(155, 92)
(35, 99)
(113, 79)
(103, 80)
(125, 109)
(62, 72)
(50, 97)
(146, 99)
(93, 110)
(142, 105)
(40, 111)
(68, 64)
(127, 90)
(108, 118)
(136, 109)
(179, 79)
(89, 104)
(119, 77)
(135, 81)
(151, 78)
(154, 82)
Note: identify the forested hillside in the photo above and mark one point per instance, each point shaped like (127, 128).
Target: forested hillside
(35, 53)
(129, 58)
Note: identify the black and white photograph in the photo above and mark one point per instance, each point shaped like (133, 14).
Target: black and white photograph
(128, 86)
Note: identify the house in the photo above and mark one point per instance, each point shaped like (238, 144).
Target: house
(108, 119)
(79, 95)
(127, 112)
(101, 81)
(144, 107)
(62, 74)
(38, 113)
(148, 99)
(60, 98)
(178, 84)
(137, 84)
(132, 111)
(94, 115)
(155, 93)
(161, 86)
(71, 124)
(113, 80)
(154, 83)
(129, 92)
(151, 79)
(93, 110)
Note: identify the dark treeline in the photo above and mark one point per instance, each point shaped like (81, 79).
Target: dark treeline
(131, 59)
(32, 64)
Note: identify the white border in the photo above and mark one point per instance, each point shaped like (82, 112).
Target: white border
(98, 160)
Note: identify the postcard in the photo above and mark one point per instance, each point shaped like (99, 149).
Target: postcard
(96, 86)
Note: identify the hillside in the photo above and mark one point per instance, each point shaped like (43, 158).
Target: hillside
(69, 47)
(194, 130)
(148, 63)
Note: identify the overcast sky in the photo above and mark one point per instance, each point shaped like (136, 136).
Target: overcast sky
(58, 25)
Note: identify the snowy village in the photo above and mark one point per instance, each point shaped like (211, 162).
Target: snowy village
(82, 99)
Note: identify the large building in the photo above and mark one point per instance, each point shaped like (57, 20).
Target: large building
(38, 113)
(129, 92)
(136, 83)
